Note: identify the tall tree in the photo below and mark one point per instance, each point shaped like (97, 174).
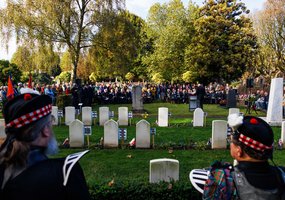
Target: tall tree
(170, 28)
(6, 69)
(269, 25)
(41, 58)
(23, 58)
(45, 59)
(118, 46)
(224, 42)
(63, 23)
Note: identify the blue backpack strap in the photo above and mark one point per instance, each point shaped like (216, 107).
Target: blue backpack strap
(69, 162)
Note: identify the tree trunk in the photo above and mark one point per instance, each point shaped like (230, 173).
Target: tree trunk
(74, 72)
(75, 60)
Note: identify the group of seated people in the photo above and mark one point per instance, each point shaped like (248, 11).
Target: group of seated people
(114, 96)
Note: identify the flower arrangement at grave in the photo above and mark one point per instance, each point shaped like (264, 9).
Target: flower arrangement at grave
(145, 115)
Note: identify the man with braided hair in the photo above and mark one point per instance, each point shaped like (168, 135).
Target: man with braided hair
(252, 177)
(25, 170)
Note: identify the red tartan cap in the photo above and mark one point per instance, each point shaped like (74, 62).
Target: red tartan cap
(25, 109)
(256, 133)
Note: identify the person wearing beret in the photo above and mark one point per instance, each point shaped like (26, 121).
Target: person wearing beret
(25, 170)
(251, 177)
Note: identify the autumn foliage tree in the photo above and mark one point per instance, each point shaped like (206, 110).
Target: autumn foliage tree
(70, 23)
(269, 25)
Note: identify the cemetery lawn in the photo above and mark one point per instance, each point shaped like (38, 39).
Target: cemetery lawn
(179, 141)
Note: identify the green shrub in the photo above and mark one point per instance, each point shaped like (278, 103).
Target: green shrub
(64, 100)
(142, 191)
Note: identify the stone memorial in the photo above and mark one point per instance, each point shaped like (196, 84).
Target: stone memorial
(76, 134)
(163, 170)
(137, 101)
(219, 134)
(87, 116)
(143, 134)
(234, 110)
(69, 115)
(198, 117)
(231, 99)
(163, 117)
(274, 111)
(123, 116)
(193, 102)
(54, 112)
(111, 138)
(103, 115)
(2, 129)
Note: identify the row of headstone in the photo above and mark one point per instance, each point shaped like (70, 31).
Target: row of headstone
(199, 116)
(104, 115)
(111, 137)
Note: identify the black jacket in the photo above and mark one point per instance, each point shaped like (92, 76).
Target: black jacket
(44, 180)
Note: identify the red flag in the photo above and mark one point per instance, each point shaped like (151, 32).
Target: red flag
(30, 82)
(10, 92)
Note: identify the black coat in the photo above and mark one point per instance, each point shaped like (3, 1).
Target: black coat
(44, 181)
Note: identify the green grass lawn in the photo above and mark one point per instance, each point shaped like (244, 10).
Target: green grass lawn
(132, 165)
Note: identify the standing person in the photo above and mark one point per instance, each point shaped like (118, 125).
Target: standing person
(25, 170)
(200, 92)
(252, 177)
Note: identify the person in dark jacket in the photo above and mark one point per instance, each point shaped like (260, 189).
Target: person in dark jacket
(200, 92)
(25, 170)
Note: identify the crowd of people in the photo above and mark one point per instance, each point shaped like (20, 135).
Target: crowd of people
(104, 93)
(118, 93)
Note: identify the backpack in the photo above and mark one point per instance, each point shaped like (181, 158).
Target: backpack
(220, 183)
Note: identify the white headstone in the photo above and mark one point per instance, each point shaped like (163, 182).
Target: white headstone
(198, 118)
(76, 134)
(274, 110)
(163, 170)
(69, 114)
(87, 116)
(163, 117)
(103, 115)
(54, 112)
(123, 116)
(283, 133)
(219, 134)
(111, 138)
(234, 110)
(143, 134)
(2, 129)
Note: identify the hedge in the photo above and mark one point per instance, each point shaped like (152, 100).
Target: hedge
(142, 191)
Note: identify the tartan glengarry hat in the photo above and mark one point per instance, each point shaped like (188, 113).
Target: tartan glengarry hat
(254, 132)
(25, 109)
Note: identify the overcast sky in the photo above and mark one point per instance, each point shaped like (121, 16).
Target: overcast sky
(138, 7)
